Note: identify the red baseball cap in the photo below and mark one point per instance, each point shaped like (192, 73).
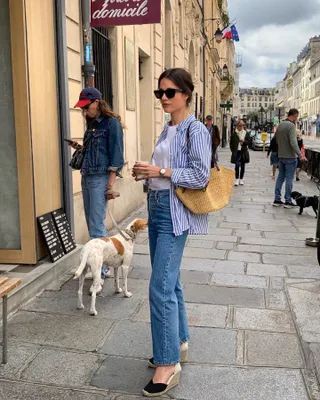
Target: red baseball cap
(87, 96)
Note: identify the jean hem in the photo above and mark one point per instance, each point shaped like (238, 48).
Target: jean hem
(165, 364)
(184, 340)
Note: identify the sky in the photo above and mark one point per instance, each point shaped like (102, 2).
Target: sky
(272, 34)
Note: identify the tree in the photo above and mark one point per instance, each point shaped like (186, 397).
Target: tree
(253, 116)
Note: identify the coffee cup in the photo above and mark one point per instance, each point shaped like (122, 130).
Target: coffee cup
(140, 176)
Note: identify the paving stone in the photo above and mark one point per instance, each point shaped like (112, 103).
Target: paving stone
(273, 249)
(224, 295)
(246, 233)
(263, 320)
(233, 225)
(30, 391)
(229, 267)
(141, 249)
(276, 299)
(204, 253)
(141, 260)
(192, 264)
(61, 367)
(272, 228)
(272, 242)
(202, 244)
(315, 350)
(140, 273)
(139, 288)
(304, 272)
(239, 256)
(293, 281)
(276, 283)
(221, 348)
(58, 330)
(19, 355)
(266, 270)
(286, 259)
(273, 349)
(224, 246)
(194, 277)
(285, 236)
(123, 374)
(143, 314)
(306, 306)
(65, 303)
(215, 238)
(229, 383)
(129, 339)
(239, 280)
(207, 315)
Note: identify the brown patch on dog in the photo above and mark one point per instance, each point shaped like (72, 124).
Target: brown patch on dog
(139, 225)
(105, 239)
(118, 245)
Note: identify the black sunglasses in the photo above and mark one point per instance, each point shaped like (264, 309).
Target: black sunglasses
(170, 93)
(86, 107)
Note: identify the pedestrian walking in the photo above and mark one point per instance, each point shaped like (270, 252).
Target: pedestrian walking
(216, 140)
(273, 150)
(239, 142)
(301, 147)
(182, 157)
(288, 150)
(102, 160)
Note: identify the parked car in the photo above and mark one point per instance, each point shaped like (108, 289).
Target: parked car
(252, 134)
(257, 143)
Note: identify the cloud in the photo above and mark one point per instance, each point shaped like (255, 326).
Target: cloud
(269, 41)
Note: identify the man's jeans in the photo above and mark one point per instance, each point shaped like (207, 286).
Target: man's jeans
(169, 324)
(95, 205)
(287, 168)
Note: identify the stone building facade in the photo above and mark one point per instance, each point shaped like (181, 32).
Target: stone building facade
(44, 39)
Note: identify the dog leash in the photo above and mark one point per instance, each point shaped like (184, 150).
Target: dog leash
(121, 232)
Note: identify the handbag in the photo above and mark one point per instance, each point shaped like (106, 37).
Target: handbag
(214, 196)
(78, 156)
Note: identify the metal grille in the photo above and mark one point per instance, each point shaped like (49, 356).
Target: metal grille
(101, 50)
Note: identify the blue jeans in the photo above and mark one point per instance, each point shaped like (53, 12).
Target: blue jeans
(240, 163)
(287, 168)
(169, 324)
(95, 205)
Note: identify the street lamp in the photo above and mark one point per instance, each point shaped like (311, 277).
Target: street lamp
(261, 112)
(218, 35)
(225, 70)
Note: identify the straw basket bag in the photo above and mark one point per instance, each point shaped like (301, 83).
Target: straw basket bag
(212, 198)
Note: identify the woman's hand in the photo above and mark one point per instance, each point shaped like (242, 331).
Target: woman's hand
(145, 171)
(75, 145)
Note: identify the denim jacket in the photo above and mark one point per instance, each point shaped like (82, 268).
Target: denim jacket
(104, 151)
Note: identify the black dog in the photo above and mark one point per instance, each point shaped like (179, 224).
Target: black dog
(306, 201)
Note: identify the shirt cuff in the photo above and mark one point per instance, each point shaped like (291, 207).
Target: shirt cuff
(114, 169)
(175, 177)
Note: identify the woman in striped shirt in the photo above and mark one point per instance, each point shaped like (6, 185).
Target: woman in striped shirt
(174, 163)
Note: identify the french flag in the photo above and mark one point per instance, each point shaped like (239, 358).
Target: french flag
(231, 32)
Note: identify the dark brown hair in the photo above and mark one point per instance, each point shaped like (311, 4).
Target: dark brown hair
(180, 77)
(292, 112)
(106, 111)
(216, 140)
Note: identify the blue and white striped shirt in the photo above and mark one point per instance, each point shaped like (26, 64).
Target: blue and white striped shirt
(190, 169)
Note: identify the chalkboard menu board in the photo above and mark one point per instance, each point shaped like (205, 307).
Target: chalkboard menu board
(51, 236)
(64, 231)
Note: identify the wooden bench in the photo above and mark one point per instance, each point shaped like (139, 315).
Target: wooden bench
(6, 285)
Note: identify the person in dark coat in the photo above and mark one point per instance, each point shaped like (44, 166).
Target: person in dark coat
(239, 142)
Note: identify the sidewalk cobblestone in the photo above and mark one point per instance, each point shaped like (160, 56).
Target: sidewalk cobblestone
(252, 291)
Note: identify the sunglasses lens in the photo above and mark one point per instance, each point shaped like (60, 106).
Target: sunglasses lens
(170, 93)
(158, 93)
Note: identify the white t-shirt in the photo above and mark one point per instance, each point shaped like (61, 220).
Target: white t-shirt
(161, 158)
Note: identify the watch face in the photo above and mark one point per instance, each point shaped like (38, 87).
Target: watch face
(162, 171)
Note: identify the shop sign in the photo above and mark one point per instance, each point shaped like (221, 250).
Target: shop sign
(125, 12)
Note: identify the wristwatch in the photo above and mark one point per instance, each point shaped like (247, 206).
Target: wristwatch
(162, 171)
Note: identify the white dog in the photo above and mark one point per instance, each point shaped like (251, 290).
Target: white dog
(116, 251)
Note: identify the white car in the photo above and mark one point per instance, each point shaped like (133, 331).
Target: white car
(257, 143)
